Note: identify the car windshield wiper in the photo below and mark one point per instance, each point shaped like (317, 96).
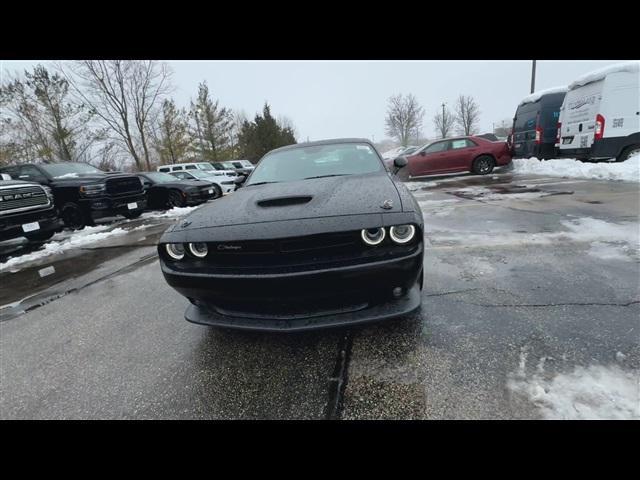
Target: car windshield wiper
(324, 176)
(259, 183)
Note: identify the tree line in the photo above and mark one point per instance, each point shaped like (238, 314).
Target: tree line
(119, 115)
(405, 117)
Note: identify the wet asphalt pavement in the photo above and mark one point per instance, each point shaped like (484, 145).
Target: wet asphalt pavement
(527, 280)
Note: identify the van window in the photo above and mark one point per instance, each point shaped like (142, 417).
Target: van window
(526, 117)
(163, 170)
(191, 167)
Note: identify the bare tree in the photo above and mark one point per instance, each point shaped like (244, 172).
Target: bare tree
(467, 115)
(444, 121)
(404, 118)
(124, 95)
(41, 121)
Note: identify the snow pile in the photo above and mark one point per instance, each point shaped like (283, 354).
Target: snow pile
(68, 175)
(632, 67)
(535, 96)
(80, 239)
(628, 170)
(593, 393)
(173, 213)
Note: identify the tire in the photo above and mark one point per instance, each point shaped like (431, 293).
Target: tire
(627, 152)
(131, 214)
(73, 216)
(483, 165)
(217, 192)
(174, 199)
(40, 236)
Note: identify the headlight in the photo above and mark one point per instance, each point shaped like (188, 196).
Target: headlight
(402, 233)
(373, 236)
(199, 250)
(175, 250)
(93, 189)
(48, 191)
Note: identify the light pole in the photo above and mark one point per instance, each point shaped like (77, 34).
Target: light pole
(443, 120)
(533, 76)
(199, 133)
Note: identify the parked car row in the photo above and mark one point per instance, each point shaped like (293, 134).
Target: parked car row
(596, 117)
(38, 200)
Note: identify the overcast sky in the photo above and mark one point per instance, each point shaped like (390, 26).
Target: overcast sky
(328, 99)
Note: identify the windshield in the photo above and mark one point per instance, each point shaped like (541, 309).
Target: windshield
(246, 163)
(205, 166)
(158, 177)
(57, 170)
(317, 161)
(201, 174)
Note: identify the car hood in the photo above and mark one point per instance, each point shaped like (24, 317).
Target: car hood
(185, 183)
(313, 198)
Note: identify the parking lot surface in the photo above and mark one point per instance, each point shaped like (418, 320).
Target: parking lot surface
(531, 309)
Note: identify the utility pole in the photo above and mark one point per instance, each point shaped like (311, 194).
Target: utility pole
(533, 77)
(199, 134)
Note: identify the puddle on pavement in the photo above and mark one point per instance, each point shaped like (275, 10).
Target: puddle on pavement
(491, 190)
(41, 277)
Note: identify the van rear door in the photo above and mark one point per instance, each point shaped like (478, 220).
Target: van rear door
(579, 111)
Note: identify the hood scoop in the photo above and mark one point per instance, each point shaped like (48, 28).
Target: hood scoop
(284, 201)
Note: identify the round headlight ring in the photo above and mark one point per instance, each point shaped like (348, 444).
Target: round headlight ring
(378, 235)
(402, 236)
(199, 249)
(175, 250)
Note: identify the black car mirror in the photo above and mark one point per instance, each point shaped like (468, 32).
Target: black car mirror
(422, 153)
(239, 181)
(398, 163)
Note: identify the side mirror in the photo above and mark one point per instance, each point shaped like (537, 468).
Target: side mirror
(422, 153)
(239, 181)
(398, 163)
(5, 176)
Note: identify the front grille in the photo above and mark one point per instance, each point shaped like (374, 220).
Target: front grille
(124, 185)
(293, 254)
(26, 197)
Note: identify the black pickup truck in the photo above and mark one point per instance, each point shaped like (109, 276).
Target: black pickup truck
(83, 193)
(27, 210)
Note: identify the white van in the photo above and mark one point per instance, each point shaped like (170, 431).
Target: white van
(205, 166)
(600, 114)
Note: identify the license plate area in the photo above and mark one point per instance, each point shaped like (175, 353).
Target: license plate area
(566, 140)
(132, 206)
(30, 227)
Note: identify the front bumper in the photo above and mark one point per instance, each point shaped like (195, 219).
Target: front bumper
(11, 225)
(109, 206)
(196, 198)
(302, 300)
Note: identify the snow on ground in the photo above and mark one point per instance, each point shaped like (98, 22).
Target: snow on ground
(173, 213)
(593, 393)
(608, 240)
(628, 170)
(80, 238)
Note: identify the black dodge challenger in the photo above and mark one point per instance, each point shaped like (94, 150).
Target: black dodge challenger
(319, 235)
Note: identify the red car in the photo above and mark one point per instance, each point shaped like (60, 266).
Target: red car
(459, 154)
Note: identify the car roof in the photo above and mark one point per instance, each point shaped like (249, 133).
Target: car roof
(322, 142)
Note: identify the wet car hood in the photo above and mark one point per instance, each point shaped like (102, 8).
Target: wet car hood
(314, 198)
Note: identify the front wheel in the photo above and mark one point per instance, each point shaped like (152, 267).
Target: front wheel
(175, 199)
(217, 192)
(73, 216)
(483, 165)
